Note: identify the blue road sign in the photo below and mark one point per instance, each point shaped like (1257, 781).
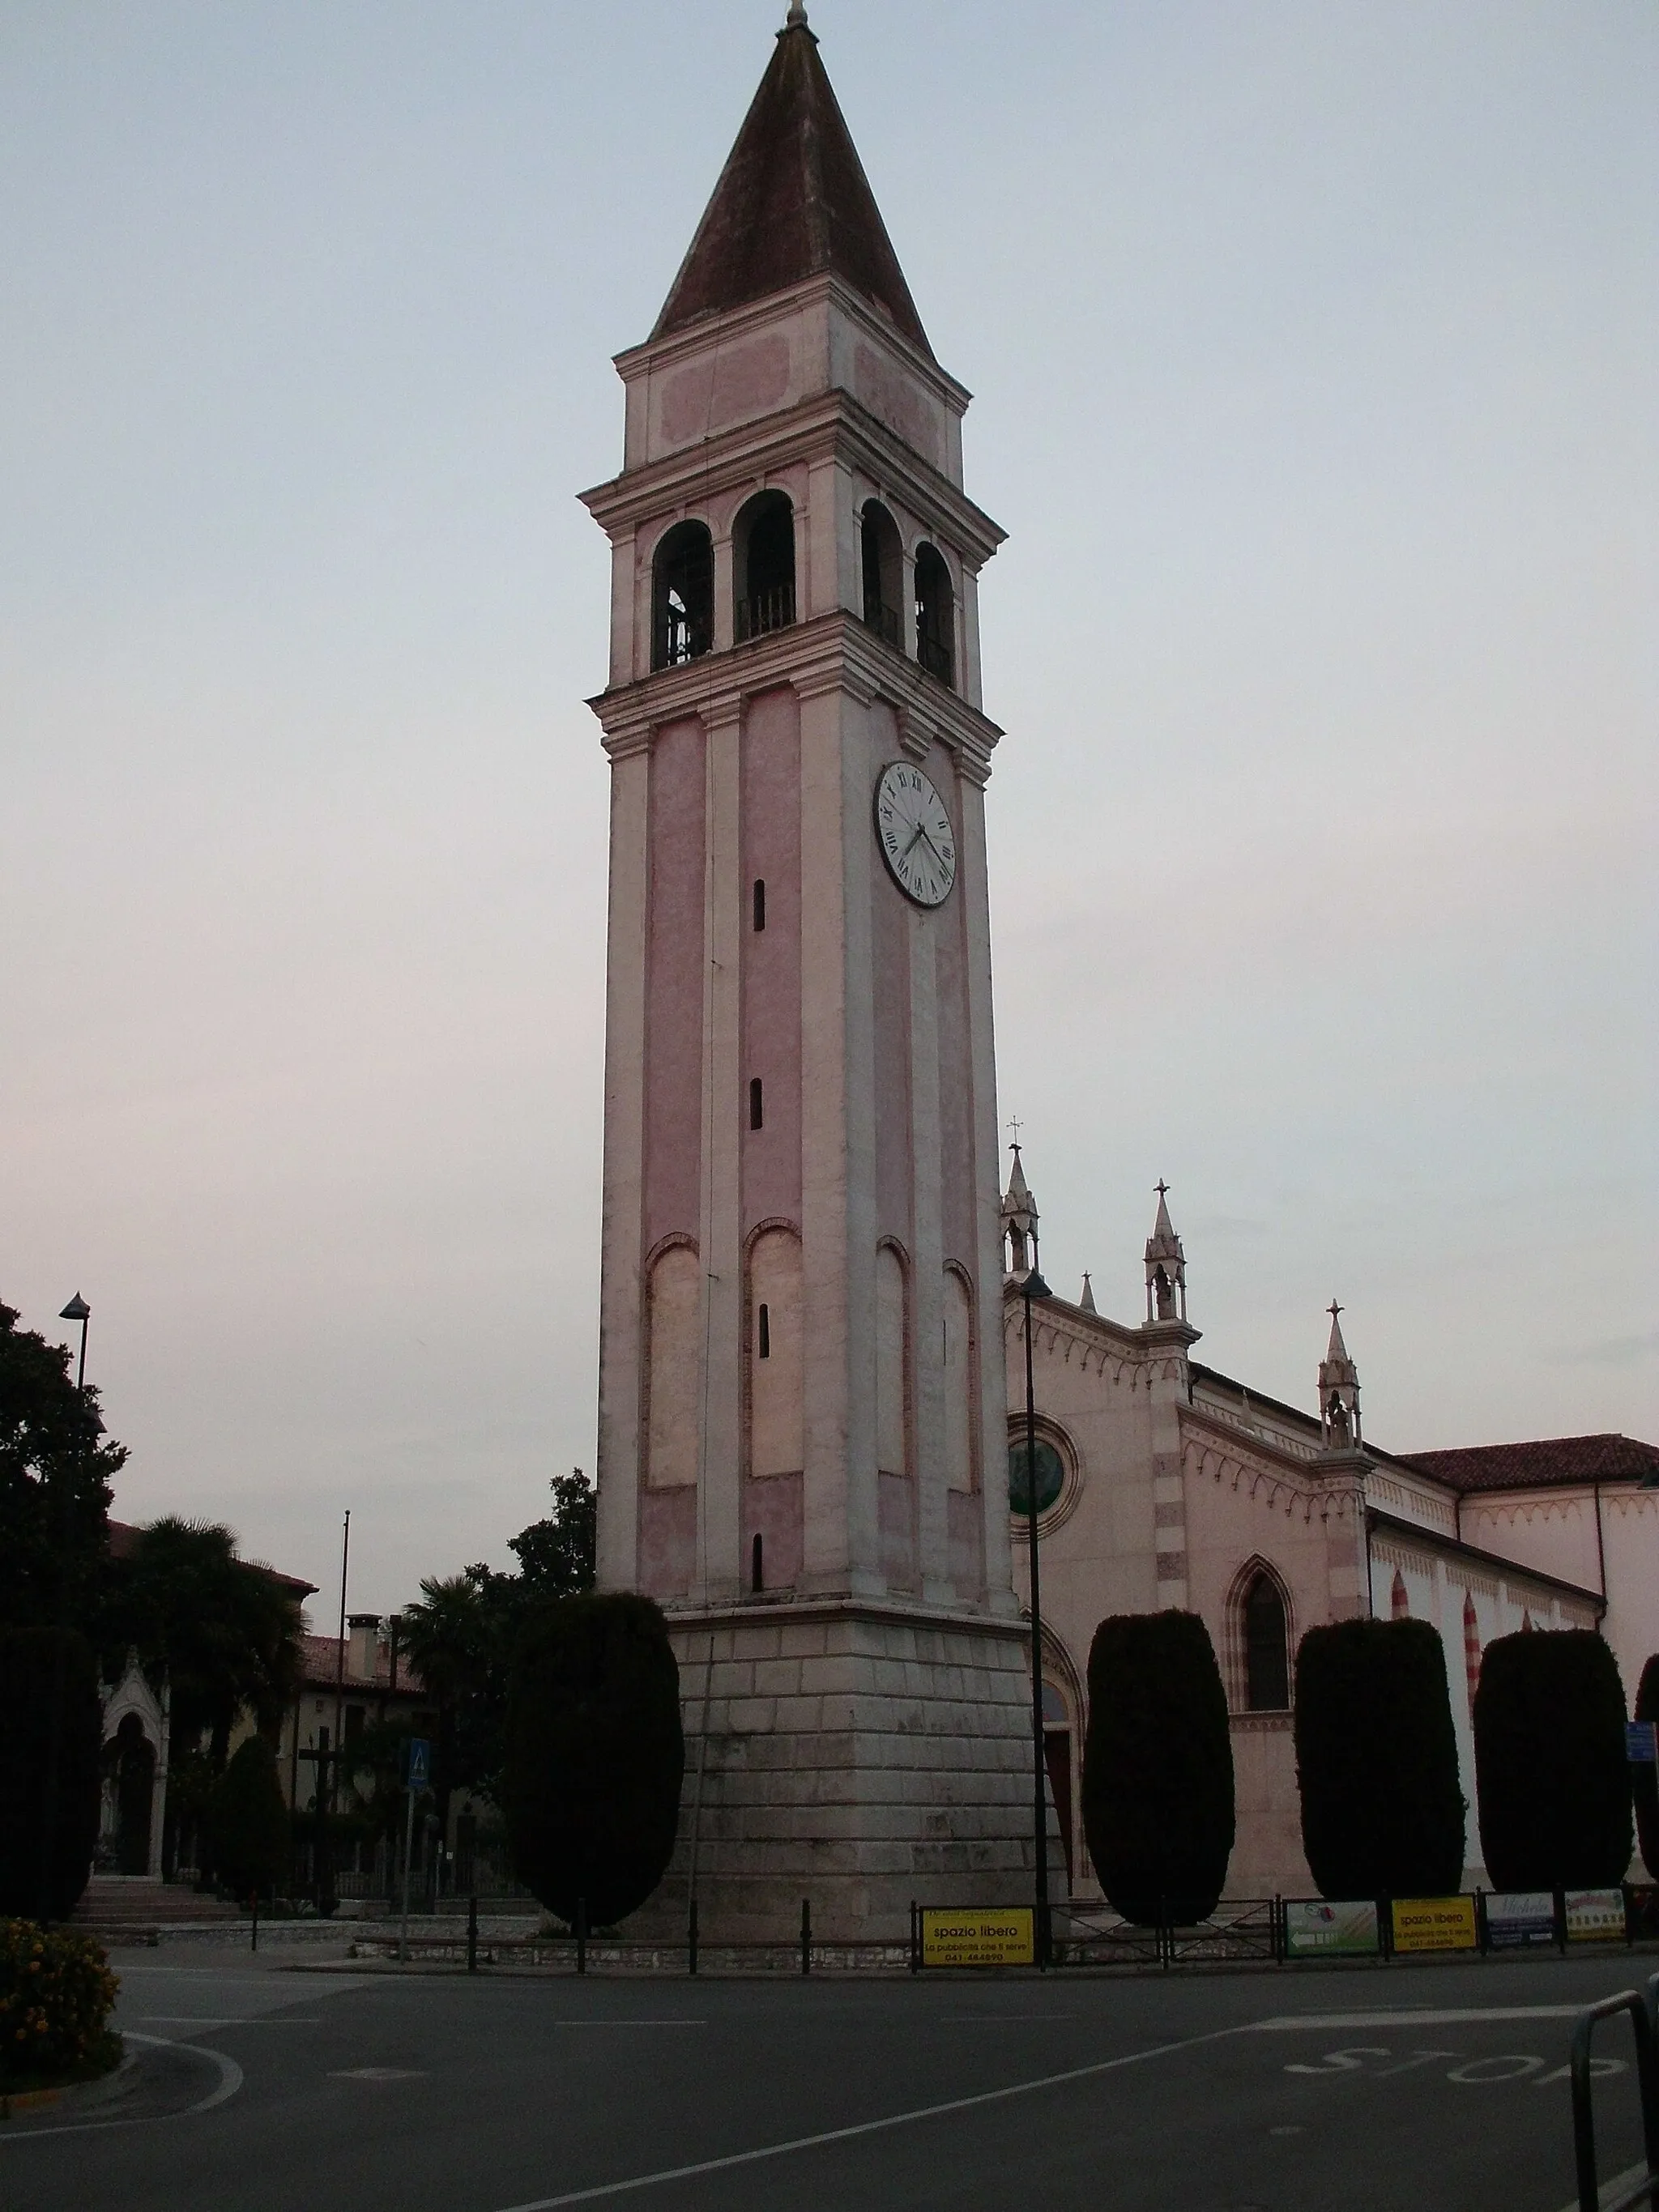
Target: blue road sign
(1639, 1747)
(420, 1762)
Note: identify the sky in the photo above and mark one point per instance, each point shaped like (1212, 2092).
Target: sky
(1313, 345)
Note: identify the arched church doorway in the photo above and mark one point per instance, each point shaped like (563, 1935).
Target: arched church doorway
(128, 1787)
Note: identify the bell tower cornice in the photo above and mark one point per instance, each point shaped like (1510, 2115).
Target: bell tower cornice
(829, 425)
(837, 651)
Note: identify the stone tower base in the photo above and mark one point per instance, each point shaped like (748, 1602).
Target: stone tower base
(859, 1753)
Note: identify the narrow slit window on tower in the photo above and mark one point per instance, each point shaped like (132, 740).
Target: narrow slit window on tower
(764, 542)
(934, 622)
(757, 1564)
(757, 1114)
(760, 901)
(683, 596)
(763, 1334)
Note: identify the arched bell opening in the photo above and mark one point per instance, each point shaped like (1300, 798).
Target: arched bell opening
(883, 573)
(683, 596)
(935, 606)
(763, 543)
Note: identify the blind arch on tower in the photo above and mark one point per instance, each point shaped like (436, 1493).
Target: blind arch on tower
(892, 1360)
(777, 1363)
(673, 1369)
(959, 1356)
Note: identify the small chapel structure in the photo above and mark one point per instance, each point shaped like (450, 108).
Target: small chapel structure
(1163, 1482)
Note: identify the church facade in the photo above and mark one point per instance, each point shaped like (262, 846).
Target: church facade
(1163, 1482)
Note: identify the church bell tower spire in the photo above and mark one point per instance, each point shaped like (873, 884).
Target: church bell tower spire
(800, 1409)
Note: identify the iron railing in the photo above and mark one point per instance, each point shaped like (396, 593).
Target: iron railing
(934, 656)
(765, 611)
(1642, 2187)
(883, 619)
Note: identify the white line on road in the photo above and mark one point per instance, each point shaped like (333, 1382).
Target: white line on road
(1609, 2190)
(627, 2023)
(230, 2080)
(863, 2127)
(1284, 2022)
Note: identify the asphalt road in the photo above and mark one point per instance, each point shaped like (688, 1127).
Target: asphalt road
(267, 2086)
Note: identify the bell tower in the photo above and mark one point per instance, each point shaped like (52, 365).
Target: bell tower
(801, 1401)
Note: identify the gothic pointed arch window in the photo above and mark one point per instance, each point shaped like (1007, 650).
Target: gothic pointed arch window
(1266, 1643)
(683, 596)
(763, 544)
(935, 614)
(1400, 1605)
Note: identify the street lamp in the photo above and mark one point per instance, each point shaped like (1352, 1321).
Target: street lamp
(78, 1310)
(1032, 1288)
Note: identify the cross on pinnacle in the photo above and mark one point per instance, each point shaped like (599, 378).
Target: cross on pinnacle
(1333, 1309)
(1015, 1124)
(1162, 1188)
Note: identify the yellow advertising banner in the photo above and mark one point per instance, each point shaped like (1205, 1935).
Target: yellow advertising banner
(978, 1939)
(1434, 1923)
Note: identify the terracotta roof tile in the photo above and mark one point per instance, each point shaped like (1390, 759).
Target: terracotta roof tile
(1551, 1463)
(793, 202)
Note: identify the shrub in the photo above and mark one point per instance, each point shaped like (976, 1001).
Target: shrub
(55, 1991)
(30, 1659)
(1644, 1780)
(1157, 1767)
(247, 1823)
(1377, 1761)
(1549, 1762)
(594, 1754)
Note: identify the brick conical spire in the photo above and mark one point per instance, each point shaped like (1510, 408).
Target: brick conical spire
(793, 202)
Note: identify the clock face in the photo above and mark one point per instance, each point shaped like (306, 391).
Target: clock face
(917, 841)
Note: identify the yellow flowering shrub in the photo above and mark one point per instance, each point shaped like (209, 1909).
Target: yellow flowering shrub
(55, 1992)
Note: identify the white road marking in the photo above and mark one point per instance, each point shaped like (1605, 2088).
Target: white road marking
(1284, 2023)
(1609, 2190)
(230, 2080)
(380, 2073)
(864, 2127)
(230, 2019)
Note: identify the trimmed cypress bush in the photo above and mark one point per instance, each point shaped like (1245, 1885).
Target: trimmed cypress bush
(30, 1660)
(247, 1823)
(1377, 1761)
(1157, 1767)
(594, 1754)
(1644, 1780)
(1549, 1762)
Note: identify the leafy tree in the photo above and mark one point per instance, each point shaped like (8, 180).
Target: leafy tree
(461, 1635)
(55, 1465)
(1157, 1767)
(1377, 1761)
(225, 1632)
(248, 1822)
(595, 1757)
(1550, 1764)
(556, 1556)
(39, 1667)
(1644, 1780)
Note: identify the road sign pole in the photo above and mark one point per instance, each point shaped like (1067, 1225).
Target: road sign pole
(408, 1840)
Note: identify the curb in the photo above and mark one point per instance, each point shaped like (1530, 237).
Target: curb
(78, 2095)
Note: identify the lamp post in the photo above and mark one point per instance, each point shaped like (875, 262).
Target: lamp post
(1034, 1287)
(76, 1309)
